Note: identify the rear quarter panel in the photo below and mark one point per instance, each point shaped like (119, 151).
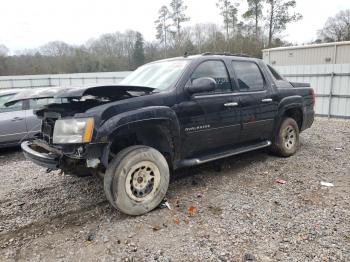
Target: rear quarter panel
(300, 97)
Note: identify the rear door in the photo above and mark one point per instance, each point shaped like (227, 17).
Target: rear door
(12, 122)
(216, 121)
(256, 102)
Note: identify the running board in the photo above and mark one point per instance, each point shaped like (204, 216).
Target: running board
(208, 158)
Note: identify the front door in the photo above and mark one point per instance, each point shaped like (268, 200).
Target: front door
(12, 123)
(212, 120)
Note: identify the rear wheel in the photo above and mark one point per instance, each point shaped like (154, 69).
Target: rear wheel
(136, 180)
(287, 139)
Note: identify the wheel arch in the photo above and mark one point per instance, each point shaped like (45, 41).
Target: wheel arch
(290, 107)
(157, 127)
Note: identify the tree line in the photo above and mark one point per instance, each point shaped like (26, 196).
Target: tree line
(336, 28)
(259, 26)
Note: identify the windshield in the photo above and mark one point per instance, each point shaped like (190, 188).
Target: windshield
(159, 75)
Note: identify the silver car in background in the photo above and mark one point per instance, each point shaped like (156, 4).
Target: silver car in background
(17, 120)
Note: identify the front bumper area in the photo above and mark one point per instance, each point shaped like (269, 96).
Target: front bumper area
(69, 158)
(40, 156)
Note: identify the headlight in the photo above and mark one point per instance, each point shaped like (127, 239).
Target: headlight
(73, 131)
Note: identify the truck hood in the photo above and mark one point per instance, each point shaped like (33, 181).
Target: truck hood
(110, 92)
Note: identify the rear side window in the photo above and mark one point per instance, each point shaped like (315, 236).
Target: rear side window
(248, 75)
(14, 107)
(216, 70)
(274, 73)
(4, 99)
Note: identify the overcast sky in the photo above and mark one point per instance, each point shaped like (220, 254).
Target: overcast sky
(30, 24)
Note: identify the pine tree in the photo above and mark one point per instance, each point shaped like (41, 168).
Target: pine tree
(233, 11)
(163, 27)
(279, 16)
(224, 6)
(138, 55)
(254, 12)
(178, 16)
(228, 11)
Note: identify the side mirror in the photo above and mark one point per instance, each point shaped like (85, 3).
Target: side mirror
(202, 85)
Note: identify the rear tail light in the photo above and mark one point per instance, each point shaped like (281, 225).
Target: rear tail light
(313, 97)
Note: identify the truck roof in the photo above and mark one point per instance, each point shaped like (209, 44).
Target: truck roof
(224, 55)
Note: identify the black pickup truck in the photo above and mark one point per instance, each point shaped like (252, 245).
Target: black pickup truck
(166, 115)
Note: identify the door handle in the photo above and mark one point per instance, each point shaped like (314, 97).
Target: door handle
(231, 104)
(267, 100)
(17, 119)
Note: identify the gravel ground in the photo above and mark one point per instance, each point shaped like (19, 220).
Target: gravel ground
(230, 210)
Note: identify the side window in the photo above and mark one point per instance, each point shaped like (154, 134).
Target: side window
(274, 73)
(15, 107)
(248, 75)
(217, 71)
(39, 103)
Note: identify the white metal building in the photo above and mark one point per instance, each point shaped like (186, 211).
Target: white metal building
(325, 66)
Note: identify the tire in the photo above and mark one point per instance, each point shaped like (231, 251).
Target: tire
(137, 180)
(287, 139)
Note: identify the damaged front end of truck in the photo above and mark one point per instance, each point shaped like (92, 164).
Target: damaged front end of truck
(69, 139)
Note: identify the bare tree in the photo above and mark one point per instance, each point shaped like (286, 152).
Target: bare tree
(129, 44)
(105, 45)
(199, 36)
(279, 16)
(152, 51)
(217, 39)
(336, 28)
(56, 48)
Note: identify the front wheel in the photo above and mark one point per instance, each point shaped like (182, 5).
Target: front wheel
(287, 139)
(137, 180)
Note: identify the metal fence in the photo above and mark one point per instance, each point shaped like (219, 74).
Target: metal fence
(331, 84)
(32, 81)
